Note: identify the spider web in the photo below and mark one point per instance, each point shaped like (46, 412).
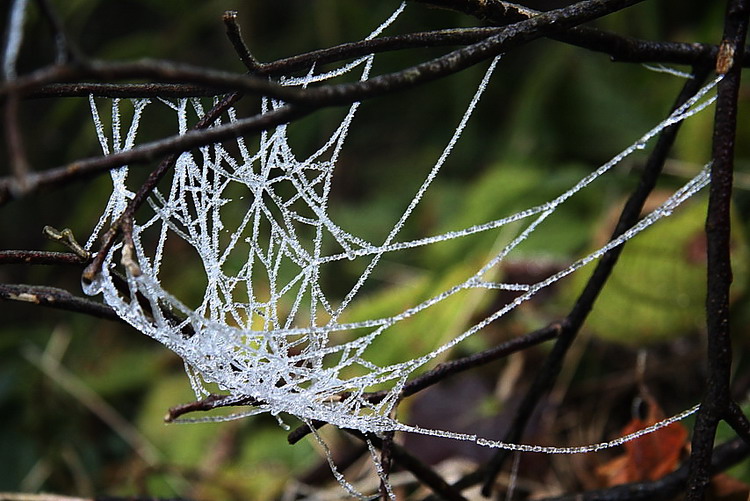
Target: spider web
(259, 222)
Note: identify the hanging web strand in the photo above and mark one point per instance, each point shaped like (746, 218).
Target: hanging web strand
(496, 444)
(254, 221)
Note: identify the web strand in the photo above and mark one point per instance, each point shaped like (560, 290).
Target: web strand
(259, 224)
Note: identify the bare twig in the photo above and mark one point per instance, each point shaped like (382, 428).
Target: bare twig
(54, 297)
(211, 402)
(85, 89)
(235, 36)
(40, 257)
(66, 238)
(618, 47)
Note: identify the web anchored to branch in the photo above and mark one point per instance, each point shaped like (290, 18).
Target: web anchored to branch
(259, 223)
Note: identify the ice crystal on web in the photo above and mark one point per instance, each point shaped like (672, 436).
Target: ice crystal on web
(258, 221)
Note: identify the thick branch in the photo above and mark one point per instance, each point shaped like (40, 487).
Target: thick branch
(717, 402)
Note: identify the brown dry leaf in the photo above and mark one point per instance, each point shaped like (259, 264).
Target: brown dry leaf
(649, 457)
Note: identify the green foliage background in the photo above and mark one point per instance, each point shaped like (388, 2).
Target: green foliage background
(551, 113)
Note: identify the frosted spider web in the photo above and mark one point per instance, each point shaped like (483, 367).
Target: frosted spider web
(275, 335)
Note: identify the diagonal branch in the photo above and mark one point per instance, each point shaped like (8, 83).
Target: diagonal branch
(619, 47)
(447, 369)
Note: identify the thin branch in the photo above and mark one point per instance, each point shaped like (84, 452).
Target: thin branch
(717, 400)
(619, 48)
(507, 38)
(211, 402)
(551, 367)
(738, 421)
(68, 239)
(40, 257)
(85, 89)
(56, 298)
(448, 369)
